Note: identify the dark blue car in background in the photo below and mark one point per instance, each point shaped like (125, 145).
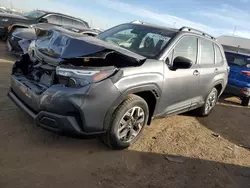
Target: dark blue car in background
(237, 51)
(239, 76)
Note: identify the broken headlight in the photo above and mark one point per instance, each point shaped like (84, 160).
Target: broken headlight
(79, 77)
(31, 51)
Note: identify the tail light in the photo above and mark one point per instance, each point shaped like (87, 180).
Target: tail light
(9, 27)
(247, 73)
(246, 91)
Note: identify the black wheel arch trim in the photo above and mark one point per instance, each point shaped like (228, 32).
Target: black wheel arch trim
(221, 82)
(147, 87)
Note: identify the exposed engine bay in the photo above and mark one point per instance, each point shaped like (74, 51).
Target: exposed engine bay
(71, 61)
(37, 77)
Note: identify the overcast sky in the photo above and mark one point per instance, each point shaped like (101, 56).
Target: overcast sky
(217, 17)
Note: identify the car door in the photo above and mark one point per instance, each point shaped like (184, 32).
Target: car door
(181, 86)
(209, 69)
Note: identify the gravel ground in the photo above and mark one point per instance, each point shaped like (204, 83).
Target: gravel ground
(179, 151)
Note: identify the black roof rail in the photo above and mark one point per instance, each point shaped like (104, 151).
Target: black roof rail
(196, 31)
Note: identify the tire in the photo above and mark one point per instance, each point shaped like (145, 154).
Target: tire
(245, 101)
(211, 101)
(113, 138)
(4, 38)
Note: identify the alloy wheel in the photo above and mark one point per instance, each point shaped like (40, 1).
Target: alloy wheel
(211, 101)
(131, 124)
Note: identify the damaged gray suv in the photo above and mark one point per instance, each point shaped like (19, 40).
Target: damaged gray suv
(116, 83)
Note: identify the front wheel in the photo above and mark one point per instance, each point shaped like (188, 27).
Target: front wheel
(128, 121)
(210, 103)
(4, 38)
(245, 101)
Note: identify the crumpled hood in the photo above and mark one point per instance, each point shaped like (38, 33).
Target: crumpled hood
(25, 33)
(66, 45)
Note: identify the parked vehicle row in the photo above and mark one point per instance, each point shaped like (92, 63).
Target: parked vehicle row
(10, 22)
(114, 84)
(10, 11)
(18, 41)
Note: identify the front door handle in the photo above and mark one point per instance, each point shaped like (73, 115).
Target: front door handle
(196, 73)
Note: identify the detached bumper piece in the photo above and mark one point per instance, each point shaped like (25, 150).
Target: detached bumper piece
(50, 121)
(13, 45)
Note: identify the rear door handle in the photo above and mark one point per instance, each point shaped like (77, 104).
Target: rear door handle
(196, 73)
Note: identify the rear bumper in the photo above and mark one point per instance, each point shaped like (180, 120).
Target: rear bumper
(51, 121)
(237, 91)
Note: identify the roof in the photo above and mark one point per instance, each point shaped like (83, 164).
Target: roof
(235, 44)
(234, 41)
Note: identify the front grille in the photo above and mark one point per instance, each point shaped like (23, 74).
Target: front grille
(14, 43)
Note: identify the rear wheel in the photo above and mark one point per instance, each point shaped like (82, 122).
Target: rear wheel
(210, 103)
(127, 123)
(245, 101)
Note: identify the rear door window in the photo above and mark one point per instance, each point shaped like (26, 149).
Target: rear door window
(67, 21)
(78, 24)
(207, 52)
(54, 19)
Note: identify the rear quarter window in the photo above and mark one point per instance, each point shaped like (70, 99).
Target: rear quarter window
(219, 57)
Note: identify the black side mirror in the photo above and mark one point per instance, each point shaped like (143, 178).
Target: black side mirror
(181, 63)
(43, 20)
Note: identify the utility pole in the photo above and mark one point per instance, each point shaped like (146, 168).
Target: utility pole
(234, 30)
(11, 5)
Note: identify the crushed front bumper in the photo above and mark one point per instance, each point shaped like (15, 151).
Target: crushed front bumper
(51, 121)
(79, 111)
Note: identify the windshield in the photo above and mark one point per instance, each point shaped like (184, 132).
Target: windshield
(34, 14)
(144, 40)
